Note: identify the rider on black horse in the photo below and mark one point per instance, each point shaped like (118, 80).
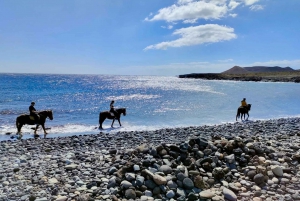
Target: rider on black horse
(33, 112)
(112, 108)
(244, 103)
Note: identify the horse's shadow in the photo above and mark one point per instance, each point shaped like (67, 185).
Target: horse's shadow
(109, 129)
(247, 121)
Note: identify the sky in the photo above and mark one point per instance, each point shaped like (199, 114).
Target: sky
(147, 37)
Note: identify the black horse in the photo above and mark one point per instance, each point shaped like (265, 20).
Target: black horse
(107, 115)
(26, 119)
(243, 111)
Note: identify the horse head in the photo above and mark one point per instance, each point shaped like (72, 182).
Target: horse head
(123, 111)
(47, 113)
(249, 107)
(50, 114)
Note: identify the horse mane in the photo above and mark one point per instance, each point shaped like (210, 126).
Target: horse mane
(45, 112)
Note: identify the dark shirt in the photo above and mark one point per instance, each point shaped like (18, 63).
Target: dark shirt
(32, 110)
(112, 107)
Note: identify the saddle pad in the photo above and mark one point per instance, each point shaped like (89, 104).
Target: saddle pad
(112, 114)
(31, 118)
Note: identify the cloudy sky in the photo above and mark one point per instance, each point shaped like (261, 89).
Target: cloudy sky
(147, 37)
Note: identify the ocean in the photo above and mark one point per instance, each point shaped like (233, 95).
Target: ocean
(152, 102)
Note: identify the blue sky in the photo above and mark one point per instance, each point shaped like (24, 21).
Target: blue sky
(147, 37)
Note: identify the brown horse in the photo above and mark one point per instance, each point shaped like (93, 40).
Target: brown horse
(107, 115)
(25, 119)
(243, 111)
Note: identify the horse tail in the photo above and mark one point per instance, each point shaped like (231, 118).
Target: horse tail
(237, 115)
(99, 117)
(17, 123)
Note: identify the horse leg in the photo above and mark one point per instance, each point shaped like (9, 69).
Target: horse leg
(248, 115)
(237, 116)
(43, 126)
(119, 122)
(112, 124)
(45, 133)
(37, 126)
(19, 126)
(101, 122)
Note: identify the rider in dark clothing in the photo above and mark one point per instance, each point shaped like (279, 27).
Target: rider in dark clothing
(112, 109)
(33, 111)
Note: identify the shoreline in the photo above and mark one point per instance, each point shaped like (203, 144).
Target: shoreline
(261, 77)
(255, 160)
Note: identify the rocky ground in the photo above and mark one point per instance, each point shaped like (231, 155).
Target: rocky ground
(242, 161)
(256, 77)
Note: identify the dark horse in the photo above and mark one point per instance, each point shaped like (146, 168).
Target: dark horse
(107, 115)
(25, 119)
(243, 111)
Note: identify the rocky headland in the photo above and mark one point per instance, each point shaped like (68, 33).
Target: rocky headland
(256, 74)
(254, 161)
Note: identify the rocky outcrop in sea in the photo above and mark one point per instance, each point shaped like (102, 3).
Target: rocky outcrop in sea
(256, 161)
(245, 77)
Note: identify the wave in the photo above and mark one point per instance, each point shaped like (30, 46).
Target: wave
(11, 112)
(132, 97)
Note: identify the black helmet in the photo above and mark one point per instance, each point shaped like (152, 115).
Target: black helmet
(32, 103)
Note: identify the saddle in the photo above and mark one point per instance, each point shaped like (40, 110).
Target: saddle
(33, 118)
(112, 114)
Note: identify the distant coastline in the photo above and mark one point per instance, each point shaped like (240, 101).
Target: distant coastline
(256, 74)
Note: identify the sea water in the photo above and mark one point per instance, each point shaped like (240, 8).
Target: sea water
(152, 102)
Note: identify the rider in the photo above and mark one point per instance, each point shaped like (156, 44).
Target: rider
(33, 111)
(244, 103)
(112, 109)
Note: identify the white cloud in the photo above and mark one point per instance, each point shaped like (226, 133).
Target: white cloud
(250, 2)
(191, 10)
(167, 27)
(195, 35)
(181, 2)
(233, 15)
(204, 67)
(225, 60)
(233, 4)
(256, 7)
(295, 64)
(191, 67)
(193, 21)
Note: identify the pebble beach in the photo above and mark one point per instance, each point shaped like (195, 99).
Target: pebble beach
(252, 160)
